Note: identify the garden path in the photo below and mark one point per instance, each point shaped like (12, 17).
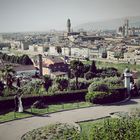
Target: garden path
(13, 130)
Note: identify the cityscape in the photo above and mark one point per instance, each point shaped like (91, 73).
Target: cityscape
(69, 70)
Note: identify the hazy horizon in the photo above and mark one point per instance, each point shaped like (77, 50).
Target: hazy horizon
(43, 15)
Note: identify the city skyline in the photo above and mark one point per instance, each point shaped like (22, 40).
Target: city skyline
(35, 15)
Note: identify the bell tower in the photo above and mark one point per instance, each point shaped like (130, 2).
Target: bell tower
(68, 25)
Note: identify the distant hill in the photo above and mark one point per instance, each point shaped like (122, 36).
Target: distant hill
(111, 24)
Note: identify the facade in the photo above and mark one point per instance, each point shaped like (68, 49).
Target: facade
(39, 48)
(126, 30)
(24, 44)
(110, 55)
(132, 57)
(53, 66)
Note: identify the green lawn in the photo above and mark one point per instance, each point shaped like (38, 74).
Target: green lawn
(51, 108)
(119, 66)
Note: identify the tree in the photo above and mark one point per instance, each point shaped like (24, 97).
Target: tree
(104, 55)
(77, 68)
(25, 60)
(1, 87)
(93, 68)
(47, 82)
(59, 49)
(119, 55)
(89, 75)
(62, 83)
(7, 73)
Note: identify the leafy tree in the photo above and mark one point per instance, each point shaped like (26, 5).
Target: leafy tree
(119, 55)
(104, 55)
(59, 49)
(62, 83)
(77, 68)
(4, 56)
(89, 75)
(12, 60)
(47, 82)
(1, 87)
(86, 68)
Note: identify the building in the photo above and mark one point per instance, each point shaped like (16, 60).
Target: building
(53, 66)
(24, 70)
(126, 30)
(24, 44)
(39, 48)
(69, 25)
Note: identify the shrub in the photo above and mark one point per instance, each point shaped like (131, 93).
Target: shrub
(89, 75)
(99, 97)
(103, 87)
(54, 132)
(99, 86)
(113, 129)
(96, 95)
(108, 72)
(106, 90)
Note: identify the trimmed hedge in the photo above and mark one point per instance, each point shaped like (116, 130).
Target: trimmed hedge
(99, 97)
(64, 97)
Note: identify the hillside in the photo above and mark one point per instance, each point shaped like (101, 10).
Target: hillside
(108, 24)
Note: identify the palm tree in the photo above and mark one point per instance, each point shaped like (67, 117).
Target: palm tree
(7, 75)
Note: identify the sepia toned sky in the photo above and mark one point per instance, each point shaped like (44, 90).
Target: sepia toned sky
(43, 15)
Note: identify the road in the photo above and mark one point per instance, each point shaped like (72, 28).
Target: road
(13, 130)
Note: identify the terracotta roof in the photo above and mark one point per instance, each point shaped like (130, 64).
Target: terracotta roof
(24, 67)
(55, 59)
(18, 67)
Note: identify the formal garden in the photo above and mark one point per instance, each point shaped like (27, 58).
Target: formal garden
(87, 84)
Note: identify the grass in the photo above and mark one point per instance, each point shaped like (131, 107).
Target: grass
(34, 111)
(120, 66)
(12, 116)
(86, 126)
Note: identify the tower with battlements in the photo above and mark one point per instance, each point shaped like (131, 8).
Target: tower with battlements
(126, 24)
(69, 25)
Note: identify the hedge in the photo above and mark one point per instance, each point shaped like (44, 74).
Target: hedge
(99, 97)
(63, 97)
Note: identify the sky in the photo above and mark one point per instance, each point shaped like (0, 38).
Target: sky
(43, 15)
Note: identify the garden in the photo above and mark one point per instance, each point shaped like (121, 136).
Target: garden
(86, 83)
(85, 86)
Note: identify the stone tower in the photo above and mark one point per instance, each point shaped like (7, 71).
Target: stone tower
(68, 25)
(126, 24)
